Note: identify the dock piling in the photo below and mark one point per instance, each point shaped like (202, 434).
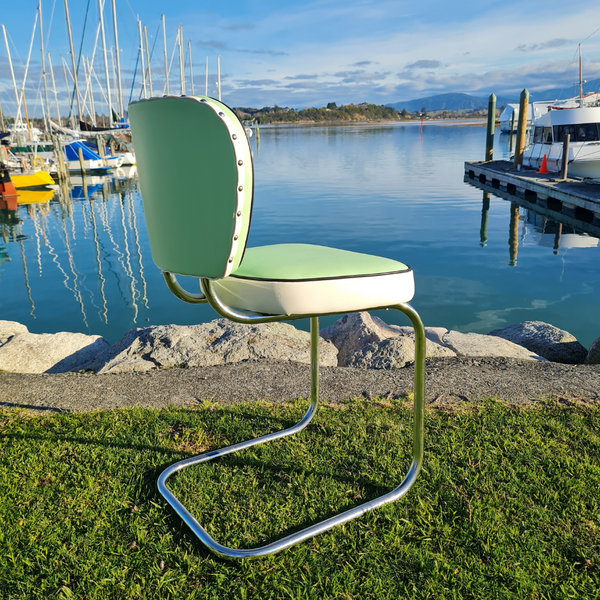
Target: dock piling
(491, 125)
(521, 128)
(565, 156)
(81, 162)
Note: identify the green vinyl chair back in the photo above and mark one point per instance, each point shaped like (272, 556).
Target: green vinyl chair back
(196, 179)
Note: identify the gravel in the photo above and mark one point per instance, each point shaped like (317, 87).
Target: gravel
(448, 381)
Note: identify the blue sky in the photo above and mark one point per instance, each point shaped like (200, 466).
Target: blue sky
(310, 53)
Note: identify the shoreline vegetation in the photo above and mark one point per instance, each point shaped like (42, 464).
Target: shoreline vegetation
(330, 114)
(350, 113)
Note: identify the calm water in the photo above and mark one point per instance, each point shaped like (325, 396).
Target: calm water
(80, 263)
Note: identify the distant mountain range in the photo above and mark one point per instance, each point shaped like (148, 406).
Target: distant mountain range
(568, 92)
(453, 102)
(450, 102)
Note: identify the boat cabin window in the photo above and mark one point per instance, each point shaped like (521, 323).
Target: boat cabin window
(587, 132)
(542, 135)
(547, 135)
(584, 132)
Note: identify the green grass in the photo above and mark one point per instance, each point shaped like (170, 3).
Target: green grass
(507, 505)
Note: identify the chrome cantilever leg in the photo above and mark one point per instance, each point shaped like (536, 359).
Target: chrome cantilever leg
(344, 517)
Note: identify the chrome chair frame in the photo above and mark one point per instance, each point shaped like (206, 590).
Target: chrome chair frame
(208, 295)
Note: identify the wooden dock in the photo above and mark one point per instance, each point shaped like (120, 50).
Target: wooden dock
(573, 198)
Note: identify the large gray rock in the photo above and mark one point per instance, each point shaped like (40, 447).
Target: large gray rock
(593, 355)
(216, 343)
(9, 329)
(545, 340)
(356, 332)
(394, 353)
(49, 352)
(478, 345)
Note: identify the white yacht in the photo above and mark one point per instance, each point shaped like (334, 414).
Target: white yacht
(582, 123)
(535, 111)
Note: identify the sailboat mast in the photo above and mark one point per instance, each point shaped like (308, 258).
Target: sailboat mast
(12, 72)
(191, 74)
(166, 62)
(106, 72)
(142, 59)
(119, 89)
(27, 65)
(219, 76)
(206, 79)
(64, 66)
(74, 68)
(47, 115)
(148, 61)
(92, 104)
(55, 92)
(181, 65)
(580, 80)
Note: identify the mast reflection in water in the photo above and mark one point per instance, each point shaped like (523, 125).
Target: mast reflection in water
(79, 260)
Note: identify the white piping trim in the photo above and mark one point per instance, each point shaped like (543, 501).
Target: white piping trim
(234, 136)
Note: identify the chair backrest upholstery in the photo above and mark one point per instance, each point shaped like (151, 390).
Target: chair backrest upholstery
(196, 179)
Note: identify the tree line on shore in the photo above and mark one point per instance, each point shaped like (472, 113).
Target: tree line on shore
(350, 112)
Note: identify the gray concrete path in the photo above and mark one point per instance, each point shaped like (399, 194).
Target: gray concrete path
(449, 381)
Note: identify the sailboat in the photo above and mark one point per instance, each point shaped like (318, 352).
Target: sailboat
(92, 162)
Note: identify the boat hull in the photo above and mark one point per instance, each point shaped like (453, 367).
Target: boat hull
(32, 180)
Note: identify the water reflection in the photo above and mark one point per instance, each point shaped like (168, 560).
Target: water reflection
(485, 215)
(547, 222)
(80, 260)
(84, 240)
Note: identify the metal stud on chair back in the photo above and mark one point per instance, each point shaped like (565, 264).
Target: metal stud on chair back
(196, 180)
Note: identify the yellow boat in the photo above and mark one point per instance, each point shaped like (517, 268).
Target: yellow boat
(34, 196)
(32, 180)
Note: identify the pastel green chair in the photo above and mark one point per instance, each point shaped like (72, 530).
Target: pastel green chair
(196, 179)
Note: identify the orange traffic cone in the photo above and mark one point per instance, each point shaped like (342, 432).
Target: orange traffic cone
(544, 166)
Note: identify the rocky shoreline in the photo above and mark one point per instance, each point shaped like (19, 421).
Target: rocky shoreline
(360, 356)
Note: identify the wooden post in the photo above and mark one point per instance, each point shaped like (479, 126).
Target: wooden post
(57, 156)
(80, 154)
(101, 151)
(565, 156)
(491, 125)
(66, 173)
(521, 128)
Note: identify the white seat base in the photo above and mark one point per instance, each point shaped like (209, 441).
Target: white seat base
(319, 296)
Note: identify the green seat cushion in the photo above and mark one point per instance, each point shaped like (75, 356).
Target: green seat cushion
(304, 262)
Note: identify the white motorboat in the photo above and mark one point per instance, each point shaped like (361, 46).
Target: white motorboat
(549, 131)
(535, 111)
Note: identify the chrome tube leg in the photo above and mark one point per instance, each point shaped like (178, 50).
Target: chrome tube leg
(313, 530)
(419, 386)
(314, 360)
